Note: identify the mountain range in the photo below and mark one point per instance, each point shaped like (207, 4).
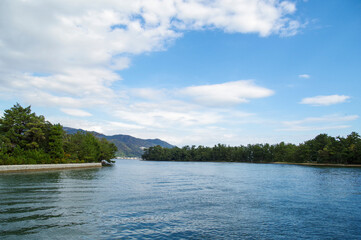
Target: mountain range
(128, 146)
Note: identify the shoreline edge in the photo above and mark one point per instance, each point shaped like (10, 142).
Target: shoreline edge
(46, 167)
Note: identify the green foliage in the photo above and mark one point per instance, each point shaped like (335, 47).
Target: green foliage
(107, 149)
(26, 138)
(19, 126)
(56, 142)
(321, 149)
(84, 146)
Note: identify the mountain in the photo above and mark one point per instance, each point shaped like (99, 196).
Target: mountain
(128, 146)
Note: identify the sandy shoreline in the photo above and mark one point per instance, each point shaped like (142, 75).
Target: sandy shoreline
(321, 164)
(45, 167)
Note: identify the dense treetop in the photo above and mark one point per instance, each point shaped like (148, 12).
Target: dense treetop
(321, 149)
(26, 138)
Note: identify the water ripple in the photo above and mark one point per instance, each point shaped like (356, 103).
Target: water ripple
(168, 200)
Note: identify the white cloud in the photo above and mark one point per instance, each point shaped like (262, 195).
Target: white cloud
(72, 88)
(79, 34)
(76, 112)
(69, 49)
(123, 125)
(325, 100)
(306, 76)
(324, 119)
(149, 93)
(319, 123)
(177, 119)
(158, 115)
(67, 54)
(228, 93)
(329, 118)
(315, 128)
(263, 17)
(120, 63)
(218, 95)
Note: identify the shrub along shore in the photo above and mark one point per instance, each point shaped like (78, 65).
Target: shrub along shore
(26, 138)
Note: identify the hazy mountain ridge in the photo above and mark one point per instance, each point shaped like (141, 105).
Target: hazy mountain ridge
(128, 146)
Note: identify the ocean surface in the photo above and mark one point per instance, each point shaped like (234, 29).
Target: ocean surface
(183, 200)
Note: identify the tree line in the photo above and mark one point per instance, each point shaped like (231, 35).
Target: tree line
(321, 149)
(26, 138)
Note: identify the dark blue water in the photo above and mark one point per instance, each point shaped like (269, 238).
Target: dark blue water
(182, 200)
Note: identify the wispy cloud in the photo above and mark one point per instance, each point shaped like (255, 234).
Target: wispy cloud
(319, 123)
(325, 100)
(149, 93)
(306, 76)
(328, 118)
(315, 128)
(228, 93)
(76, 112)
(169, 115)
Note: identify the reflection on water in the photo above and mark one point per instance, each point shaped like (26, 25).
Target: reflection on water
(171, 200)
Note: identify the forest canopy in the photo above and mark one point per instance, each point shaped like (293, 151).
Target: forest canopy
(321, 149)
(26, 138)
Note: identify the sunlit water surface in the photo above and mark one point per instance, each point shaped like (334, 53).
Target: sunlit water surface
(183, 200)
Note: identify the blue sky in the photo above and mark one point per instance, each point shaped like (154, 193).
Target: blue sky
(188, 72)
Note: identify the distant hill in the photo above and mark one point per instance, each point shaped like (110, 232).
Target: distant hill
(128, 146)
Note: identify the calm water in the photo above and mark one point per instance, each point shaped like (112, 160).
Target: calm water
(180, 200)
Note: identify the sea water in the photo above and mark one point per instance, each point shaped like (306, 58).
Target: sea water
(183, 200)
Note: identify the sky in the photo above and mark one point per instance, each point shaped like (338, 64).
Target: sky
(190, 72)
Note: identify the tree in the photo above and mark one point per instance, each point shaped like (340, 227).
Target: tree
(321, 149)
(85, 146)
(26, 138)
(351, 148)
(22, 127)
(107, 149)
(56, 142)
